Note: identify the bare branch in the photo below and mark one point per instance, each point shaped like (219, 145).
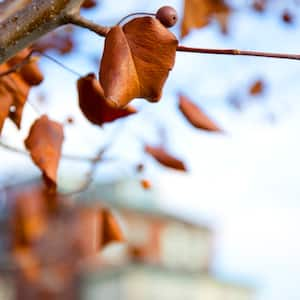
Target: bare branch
(85, 23)
(35, 19)
(238, 52)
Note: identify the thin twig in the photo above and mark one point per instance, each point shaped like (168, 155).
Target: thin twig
(238, 52)
(78, 20)
(78, 158)
(77, 74)
(135, 14)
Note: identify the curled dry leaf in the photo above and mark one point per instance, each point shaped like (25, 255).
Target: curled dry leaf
(111, 230)
(44, 143)
(93, 104)
(29, 71)
(199, 13)
(136, 61)
(196, 116)
(164, 158)
(15, 86)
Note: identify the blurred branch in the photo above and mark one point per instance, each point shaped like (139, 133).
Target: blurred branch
(78, 158)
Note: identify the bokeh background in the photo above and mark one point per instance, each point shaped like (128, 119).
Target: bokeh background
(244, 183)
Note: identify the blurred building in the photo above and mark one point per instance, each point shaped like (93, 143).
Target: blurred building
(165, 257)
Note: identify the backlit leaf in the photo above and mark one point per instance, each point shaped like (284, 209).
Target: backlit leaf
(44, 143)
(93, 105)
(136, 61)
(199, 13)
(111, 230)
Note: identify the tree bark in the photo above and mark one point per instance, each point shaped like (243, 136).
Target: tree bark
(32, 21)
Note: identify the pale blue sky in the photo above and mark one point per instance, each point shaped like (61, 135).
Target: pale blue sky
(246, 183)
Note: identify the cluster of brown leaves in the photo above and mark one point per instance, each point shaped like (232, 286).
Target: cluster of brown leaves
(45, 138)
(199, 13)
(15, 86)
(40, 221)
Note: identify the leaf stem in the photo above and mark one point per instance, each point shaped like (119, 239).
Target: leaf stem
(238, 52)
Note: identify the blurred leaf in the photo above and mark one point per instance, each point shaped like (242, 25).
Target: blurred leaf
(164, 158)
(199, 13)
(196, 116)
(111, 231)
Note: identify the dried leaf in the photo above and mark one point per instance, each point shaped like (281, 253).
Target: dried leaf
(30, 71)
(146, 184)
(16, 85)
(199, 13)
(87, 4)
(196, 116)
(19, 90)
(136, 61)
(29, 216)
(93, 105)
(287, 17)
(44, 143)
(257, 88)
(111, 231)
(259, 5)
(6, 100)
(166, 159)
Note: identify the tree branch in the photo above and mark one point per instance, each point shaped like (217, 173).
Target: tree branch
(238, 52)
(78, 20)
(34, 20)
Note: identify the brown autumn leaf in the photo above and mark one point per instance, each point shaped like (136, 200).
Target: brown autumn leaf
(146, 184)
(6, 100)
(257, 88)
(44, 143)
(29, 71)
(16, 85)
(259, 5)
(164, 158)
(196, 116)
(199, 13)
(29, 216)
(93, 105)
(19, 90)
(136, 61)
(87, 4)
(287, 17)
(111, 230)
